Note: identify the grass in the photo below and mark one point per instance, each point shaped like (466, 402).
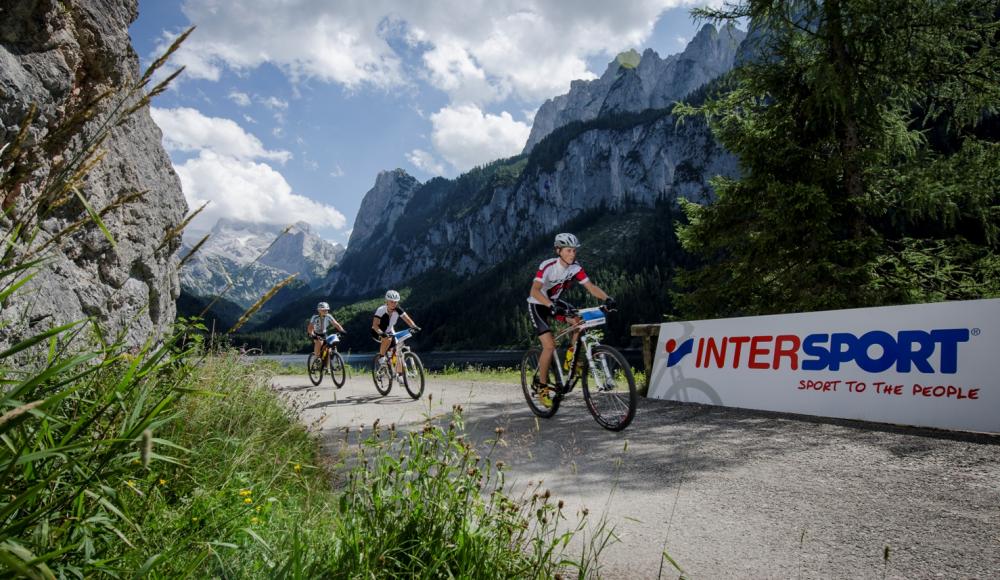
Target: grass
(480, 373)
(226, 482)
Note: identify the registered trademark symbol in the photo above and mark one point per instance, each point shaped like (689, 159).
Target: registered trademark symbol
(976, 332)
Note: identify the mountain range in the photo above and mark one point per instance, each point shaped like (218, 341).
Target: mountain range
(253, 257)
(607, 160)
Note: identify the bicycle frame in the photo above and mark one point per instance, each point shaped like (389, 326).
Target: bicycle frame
(398, 348)
(589, 318)
(329, 344)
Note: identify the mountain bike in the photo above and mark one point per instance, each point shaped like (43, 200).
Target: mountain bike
(612, 399)
(329, 359)
(385, 373)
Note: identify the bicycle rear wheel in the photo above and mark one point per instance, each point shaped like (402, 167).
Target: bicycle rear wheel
(382, 377)
(314, 366)
(536, 399)
(612, 399)
(338, 372)
(413, 374)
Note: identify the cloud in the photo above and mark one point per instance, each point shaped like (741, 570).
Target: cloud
(187, 130)
(466, 136)
(274, 103)
(247, 190)
(477, 51)
(337, 171)
(230, 172)
(425, 162)
(241, 99)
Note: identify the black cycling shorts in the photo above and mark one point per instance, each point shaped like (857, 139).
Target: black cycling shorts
(375, 336)
(540, 316)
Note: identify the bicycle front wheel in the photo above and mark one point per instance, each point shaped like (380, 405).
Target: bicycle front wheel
(413, 375)
(382, 377)
(314, 366)
(542, 403)
(338, 372)
(612, 398)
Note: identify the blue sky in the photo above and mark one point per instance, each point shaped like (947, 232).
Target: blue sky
(288, 111)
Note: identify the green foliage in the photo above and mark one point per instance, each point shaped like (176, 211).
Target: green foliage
(427, 505)
(867, 177)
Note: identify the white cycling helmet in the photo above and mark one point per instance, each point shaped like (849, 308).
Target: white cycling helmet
(392, 295)
(322, 306)
(565, 240)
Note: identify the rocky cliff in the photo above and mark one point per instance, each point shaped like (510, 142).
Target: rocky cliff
(654, 83)
(56, 55)
(382, 206)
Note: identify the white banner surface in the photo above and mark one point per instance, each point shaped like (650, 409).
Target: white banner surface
(932, 365)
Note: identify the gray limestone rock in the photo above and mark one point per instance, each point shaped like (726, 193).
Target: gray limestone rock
(54, 54)
(382, 206)
(654, 84)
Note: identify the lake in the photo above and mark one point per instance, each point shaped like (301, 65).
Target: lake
(437, 360)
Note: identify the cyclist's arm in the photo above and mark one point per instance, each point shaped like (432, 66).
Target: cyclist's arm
(337, 324)
(409, 321)
(595, 291)
(375, 322)
(537, 294)
(310, 330)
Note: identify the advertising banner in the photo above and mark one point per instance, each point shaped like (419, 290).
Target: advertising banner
(932, 365)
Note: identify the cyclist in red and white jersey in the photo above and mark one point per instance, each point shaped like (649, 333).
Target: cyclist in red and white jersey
(553, 278)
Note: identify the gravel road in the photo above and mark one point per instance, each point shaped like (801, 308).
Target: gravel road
(729, 493)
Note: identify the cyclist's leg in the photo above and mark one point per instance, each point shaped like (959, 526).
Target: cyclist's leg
(317, 343)
(548, 347)
(540, 316)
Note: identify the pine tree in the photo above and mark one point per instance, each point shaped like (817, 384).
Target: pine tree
(867, 136)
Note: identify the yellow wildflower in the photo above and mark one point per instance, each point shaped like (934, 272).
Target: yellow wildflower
(247, 500)
(245, 492)
(254, 520)
(297, 468)
(163, 481)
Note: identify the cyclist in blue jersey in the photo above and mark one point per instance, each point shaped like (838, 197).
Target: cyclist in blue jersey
(320, 325)
(554, 276)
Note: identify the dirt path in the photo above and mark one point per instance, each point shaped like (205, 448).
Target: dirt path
(731, 494)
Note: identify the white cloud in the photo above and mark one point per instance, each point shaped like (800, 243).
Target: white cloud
(681, 40)
(475, 50)
(425, 161)
(274, 103)
(249, 191)
(241, 99)
(249, 119)
(466, 136)
(229, 172)
(337, 171)
(187, 130)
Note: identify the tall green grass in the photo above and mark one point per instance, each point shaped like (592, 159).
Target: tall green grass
(427, 504)
(227, 482)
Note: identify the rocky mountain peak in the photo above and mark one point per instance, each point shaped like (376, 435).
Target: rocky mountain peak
(383, 204)
(634, 83)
